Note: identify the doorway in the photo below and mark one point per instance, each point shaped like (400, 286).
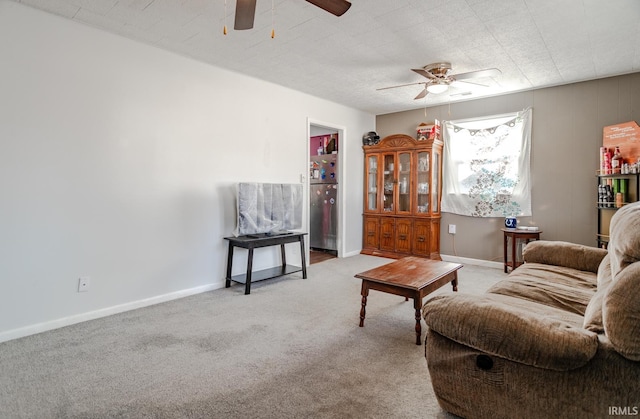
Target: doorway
(325, 200)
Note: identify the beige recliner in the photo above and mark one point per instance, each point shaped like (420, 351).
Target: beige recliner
(559, 337)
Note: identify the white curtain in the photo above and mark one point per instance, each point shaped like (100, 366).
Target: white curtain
(486, 166)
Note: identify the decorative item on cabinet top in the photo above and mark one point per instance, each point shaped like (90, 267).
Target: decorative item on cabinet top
(370, 138)
(428, 131)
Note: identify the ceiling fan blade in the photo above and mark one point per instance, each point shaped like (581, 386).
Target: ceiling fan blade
(489, 72)
(421, 94)
(460, 94)
(401, 85)
(423, 73)
(470, 82)
(245, 14)
(335, 7)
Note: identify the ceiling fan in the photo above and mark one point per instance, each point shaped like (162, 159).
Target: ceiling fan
(246, 10)
(439, 79)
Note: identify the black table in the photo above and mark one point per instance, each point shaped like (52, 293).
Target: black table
(254, 241)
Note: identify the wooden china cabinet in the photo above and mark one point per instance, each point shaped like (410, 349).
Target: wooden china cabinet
(403, 184)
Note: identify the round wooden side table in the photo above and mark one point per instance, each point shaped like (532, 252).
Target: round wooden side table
(516, 234)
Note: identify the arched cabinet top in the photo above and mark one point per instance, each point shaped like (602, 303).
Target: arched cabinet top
(400, 141)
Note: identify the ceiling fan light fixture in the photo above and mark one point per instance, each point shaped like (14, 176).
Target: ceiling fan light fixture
(437, 88)
(439, 79)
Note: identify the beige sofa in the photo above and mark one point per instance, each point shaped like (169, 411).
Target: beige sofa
(559, 337)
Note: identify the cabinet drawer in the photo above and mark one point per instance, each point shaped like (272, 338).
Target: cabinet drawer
(422, 238)
(371, 233)
(387, 234)
(403, 235)
(434, 250)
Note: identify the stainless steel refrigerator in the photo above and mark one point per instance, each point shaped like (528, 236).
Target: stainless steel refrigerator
(323, 175)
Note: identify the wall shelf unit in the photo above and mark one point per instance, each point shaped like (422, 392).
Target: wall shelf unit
(628, 186)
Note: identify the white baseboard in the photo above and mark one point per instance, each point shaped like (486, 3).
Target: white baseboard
(108, 311)
(470, 261)
(349, 254)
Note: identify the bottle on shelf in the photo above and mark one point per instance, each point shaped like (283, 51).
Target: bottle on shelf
(609, 196)
(605, 161)
(622, 190)
(616, 161)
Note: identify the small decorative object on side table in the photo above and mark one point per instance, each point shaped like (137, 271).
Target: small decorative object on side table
(523, 233)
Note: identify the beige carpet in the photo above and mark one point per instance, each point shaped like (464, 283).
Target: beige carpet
(291, 349)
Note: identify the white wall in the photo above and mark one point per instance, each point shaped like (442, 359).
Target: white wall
(118, 161)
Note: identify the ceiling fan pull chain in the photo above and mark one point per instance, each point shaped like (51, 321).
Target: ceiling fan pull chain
(224, 30)
(273, 21)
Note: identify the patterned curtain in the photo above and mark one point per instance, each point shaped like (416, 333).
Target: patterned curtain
(486, 166)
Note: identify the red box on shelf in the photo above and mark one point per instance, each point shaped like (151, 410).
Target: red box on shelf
(626, 136)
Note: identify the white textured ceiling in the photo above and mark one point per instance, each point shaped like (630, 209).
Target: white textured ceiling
(535, 43)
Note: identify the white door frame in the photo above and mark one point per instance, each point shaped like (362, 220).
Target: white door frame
(342, 134)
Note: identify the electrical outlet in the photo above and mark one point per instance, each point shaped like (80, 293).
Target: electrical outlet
(83, 284)
(452, 229)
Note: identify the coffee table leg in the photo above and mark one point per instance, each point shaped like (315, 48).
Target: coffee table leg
(454, 283)
(417, 304)
(364, 292)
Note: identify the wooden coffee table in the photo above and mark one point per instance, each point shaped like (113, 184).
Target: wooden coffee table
(411, 277)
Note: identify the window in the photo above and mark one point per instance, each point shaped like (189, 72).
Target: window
(486, 166)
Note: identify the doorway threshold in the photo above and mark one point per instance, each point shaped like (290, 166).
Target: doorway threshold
(320, 255)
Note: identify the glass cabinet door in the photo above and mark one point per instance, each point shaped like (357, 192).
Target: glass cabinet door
(435, 183)
(404, 182)
(388, 183)
(372, 183)
(422, 184)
